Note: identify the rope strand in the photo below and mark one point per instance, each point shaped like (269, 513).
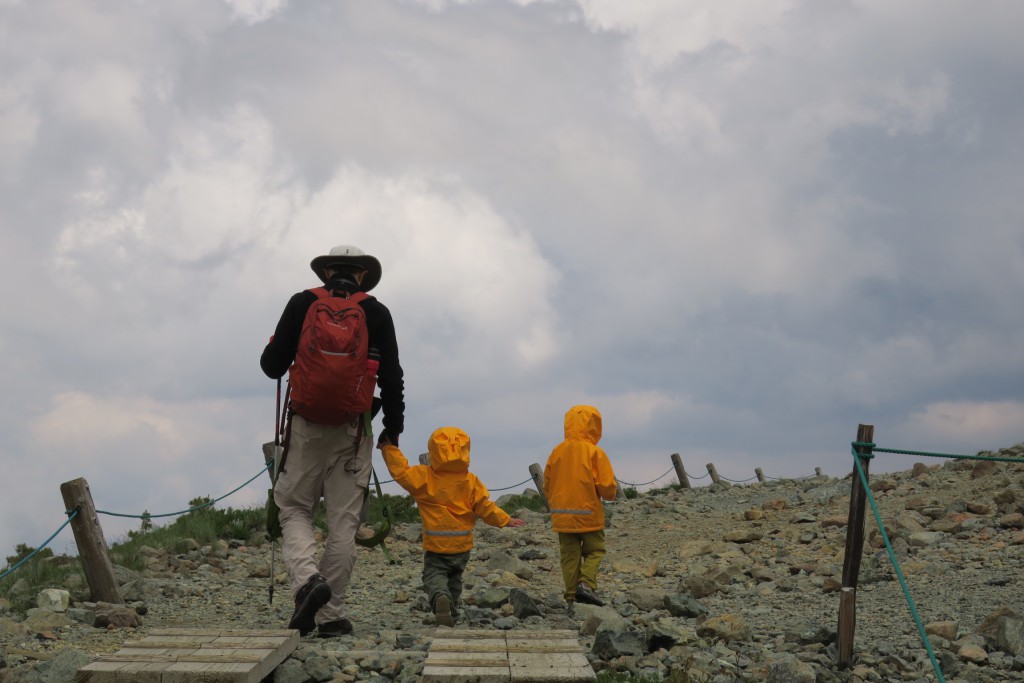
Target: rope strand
(71, 515)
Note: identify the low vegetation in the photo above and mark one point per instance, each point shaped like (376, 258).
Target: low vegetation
(203, 523)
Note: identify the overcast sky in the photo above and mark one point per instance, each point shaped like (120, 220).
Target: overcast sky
(737, 228)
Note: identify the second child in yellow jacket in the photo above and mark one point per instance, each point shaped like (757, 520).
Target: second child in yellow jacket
(450, 499)
(577, 476)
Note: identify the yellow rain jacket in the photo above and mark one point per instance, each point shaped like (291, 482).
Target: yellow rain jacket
(449, 496)
(578, 475)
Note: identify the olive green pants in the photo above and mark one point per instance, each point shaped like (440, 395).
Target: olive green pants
(442, 575)
(581, 556)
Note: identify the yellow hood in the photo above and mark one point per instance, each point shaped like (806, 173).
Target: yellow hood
(449, 450)
(583, 423)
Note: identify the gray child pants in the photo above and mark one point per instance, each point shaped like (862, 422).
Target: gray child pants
(442, 575)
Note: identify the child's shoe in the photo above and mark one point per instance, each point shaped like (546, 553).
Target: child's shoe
(586, 594)
(443, 612)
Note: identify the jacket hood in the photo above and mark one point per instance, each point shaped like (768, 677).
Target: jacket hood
(449, 450)
(583, 423)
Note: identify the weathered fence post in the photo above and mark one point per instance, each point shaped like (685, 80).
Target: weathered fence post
(713, 472)
(424, 458)
(677, 463)
(92, 547)
(537, 473)
(620, 493)
(854, 550)
(760, 474)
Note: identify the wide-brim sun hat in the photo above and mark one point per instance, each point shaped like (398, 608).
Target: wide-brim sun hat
(349, 255)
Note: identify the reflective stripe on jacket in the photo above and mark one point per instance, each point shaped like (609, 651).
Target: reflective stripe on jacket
(578, 475)
(450, 497)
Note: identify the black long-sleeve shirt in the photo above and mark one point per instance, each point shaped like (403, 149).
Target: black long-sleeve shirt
(279, 354)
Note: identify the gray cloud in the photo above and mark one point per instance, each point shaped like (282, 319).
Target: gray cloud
(739, 231)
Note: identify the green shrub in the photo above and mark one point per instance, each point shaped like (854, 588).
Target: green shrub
(44, 570)
(676, 675)
(202, 523)
(401, 507)
(22, 550)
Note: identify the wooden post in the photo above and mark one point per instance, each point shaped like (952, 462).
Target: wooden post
(677, 462)
(92, 547)
(620, 493)
(538, 480)
(854, 551)
(424, 458)
(760, 474)
(713, 472)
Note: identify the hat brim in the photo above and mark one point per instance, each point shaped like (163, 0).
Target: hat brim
(368, 263)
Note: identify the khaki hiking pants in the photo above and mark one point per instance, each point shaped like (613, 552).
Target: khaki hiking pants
(329, 462)
(581, 556)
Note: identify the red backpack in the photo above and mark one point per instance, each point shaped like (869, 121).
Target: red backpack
(331, 379)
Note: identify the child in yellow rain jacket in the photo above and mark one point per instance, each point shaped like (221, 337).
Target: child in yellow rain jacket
(577, 476)
(450, 499)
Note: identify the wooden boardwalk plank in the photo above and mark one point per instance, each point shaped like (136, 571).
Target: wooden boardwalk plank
(194, 656)
(550, 667)
(465, 656)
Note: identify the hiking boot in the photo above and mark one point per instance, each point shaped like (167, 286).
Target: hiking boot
(333, 629)
(586, 594)
(443, 611)
(313, 595)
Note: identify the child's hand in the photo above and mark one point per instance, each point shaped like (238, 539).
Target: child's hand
(515, 521)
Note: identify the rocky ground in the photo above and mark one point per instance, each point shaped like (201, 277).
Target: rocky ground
(719, 583)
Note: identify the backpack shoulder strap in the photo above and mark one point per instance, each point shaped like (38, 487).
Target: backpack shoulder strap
(323, 293)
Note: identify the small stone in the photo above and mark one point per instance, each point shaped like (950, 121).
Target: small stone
(53, 599)
(972, 653)
(943, 629)
(727, 627)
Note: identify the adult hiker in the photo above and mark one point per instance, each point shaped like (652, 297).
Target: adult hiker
(346, 337)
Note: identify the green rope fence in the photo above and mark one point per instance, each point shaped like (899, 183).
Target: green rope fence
(892, 555)
(71, 515)
(885, 536)
(647, 483)
(513, 486)
(954, 456)
(146, 515)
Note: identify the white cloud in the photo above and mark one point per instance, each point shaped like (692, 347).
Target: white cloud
(663, 29)
(978, 425)
(106, 95)
(19, 125)
(476, 289)
(255, 11)
(222, 188)
(85, 423)
(141, 453)
(735, 228)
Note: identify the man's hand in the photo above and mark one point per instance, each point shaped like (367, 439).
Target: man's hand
(386, 438)
(515, 521)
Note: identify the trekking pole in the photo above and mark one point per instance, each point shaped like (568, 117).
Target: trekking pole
(273, 476)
